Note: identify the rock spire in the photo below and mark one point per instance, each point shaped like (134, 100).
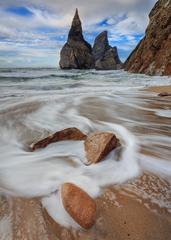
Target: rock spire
(76, 53)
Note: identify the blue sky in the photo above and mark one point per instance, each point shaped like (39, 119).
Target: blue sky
(32, 32)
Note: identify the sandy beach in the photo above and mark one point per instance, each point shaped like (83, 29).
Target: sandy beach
(159, 89)
(122, 214)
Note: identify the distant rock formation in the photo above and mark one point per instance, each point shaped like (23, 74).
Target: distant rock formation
(153, 54)
(106, 57)
(76, 53)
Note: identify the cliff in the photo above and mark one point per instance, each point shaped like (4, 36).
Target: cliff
(153, 54)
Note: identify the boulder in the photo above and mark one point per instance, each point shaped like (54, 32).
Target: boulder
(106, 57)
(99, 145)
(79, 205)
(63, 135)
(152, 55)
(76, 53)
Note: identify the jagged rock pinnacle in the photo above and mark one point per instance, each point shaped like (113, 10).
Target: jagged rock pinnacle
(106, 57)
(75, 32)
(76, 53)
(101, 45)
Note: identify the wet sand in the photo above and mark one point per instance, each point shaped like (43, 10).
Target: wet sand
(159, 89)
(122, 214)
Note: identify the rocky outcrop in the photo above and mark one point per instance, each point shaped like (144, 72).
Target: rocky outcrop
(76, 53)
(79, 205)
(63, 135)
(98, 146)
(105, 56)
(153, 54)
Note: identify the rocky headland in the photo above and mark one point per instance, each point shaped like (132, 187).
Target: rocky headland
(153, 54)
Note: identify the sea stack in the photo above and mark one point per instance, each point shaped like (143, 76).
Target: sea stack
(105, 56)
(76, 53)
(153, 54)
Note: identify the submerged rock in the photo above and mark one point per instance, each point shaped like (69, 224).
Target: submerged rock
(63, 135)
(76, 53)
(153, 54)
(80, 206)
(99, 145)
(106, 57)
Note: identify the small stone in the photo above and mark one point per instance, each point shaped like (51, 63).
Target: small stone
(164, 94)
(63, 135)
(99, 145)
(79, 205)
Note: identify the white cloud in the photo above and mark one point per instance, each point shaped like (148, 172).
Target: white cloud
(125, 19)
(59, 12)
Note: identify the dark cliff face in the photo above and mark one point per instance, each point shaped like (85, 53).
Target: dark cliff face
(106, 57)
(153, 54)
(76, 53)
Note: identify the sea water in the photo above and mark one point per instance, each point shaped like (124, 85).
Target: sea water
(37, 102)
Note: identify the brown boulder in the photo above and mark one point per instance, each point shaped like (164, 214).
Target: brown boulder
(79, 205)
(99, 145)
(63, 135)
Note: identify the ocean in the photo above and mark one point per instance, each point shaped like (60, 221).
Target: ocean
(37, 102)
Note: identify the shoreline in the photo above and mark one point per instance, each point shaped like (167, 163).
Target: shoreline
(159, 89)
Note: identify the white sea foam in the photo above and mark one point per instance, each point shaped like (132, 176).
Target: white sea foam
(164, 113)
(31, 108)
(42, 172)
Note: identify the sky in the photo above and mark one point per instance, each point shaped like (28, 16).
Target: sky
(32, 32)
